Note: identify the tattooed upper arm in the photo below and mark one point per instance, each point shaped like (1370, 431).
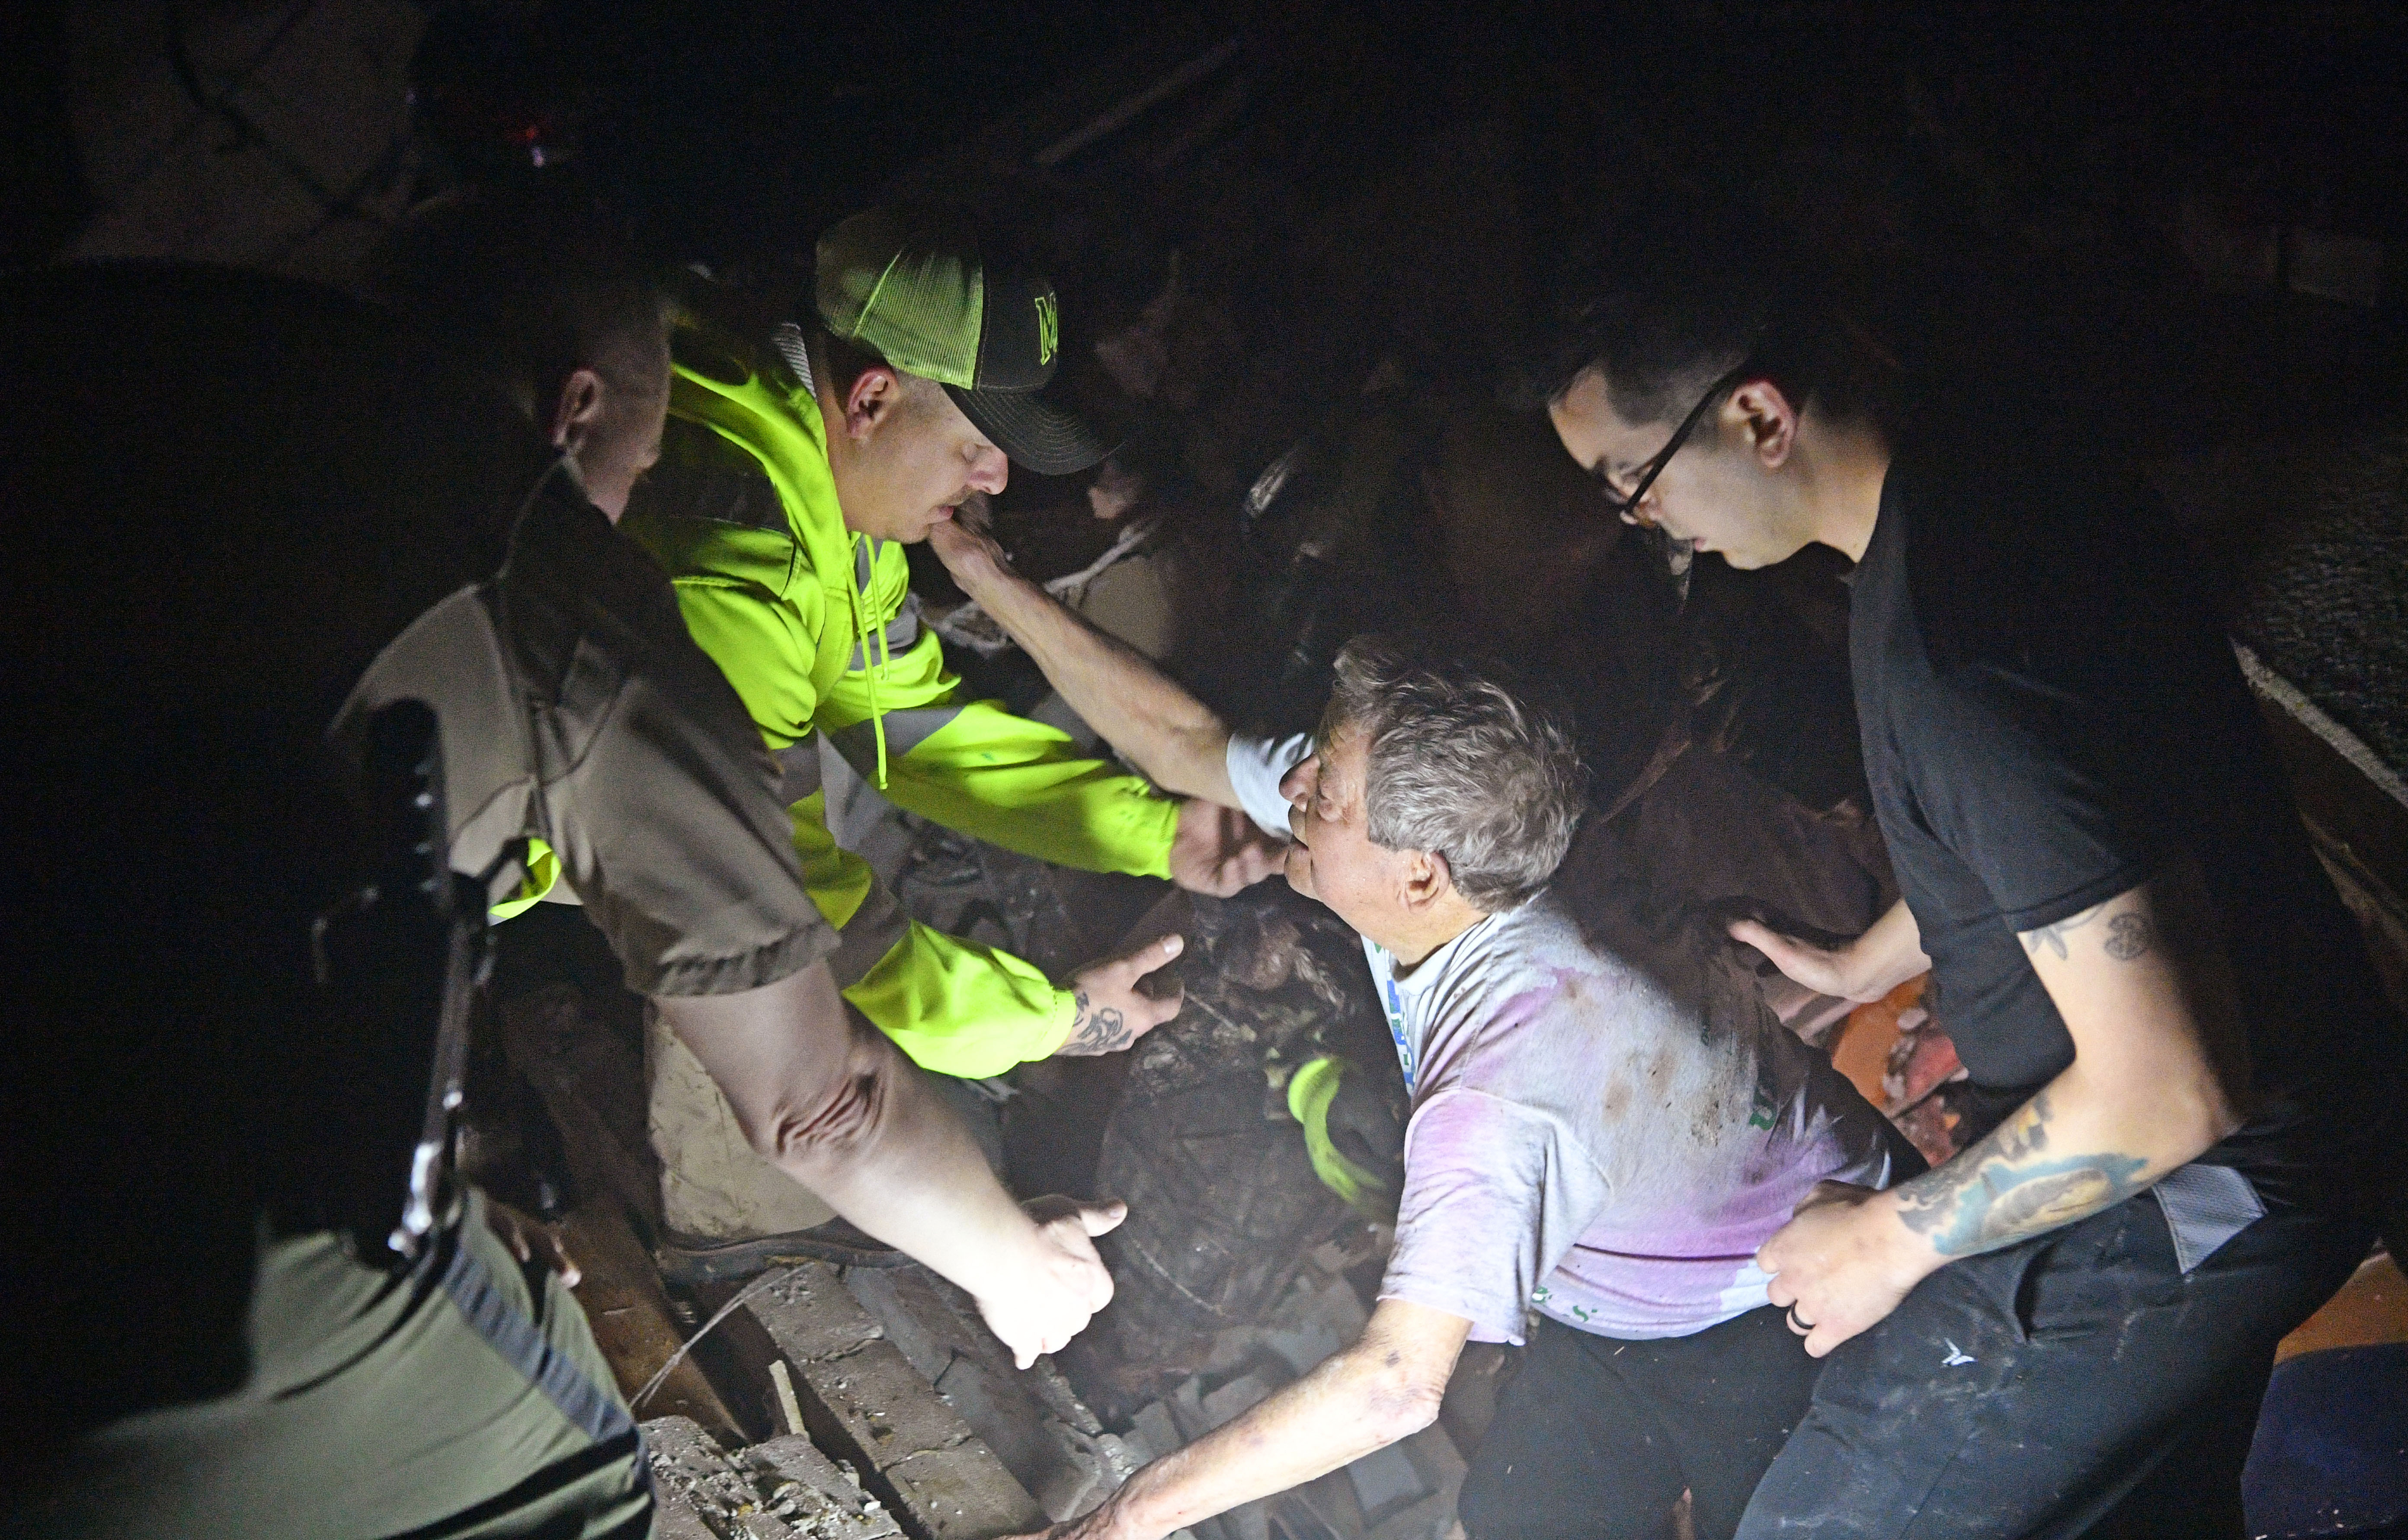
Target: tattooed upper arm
(2127, 933)
(2144, 1092)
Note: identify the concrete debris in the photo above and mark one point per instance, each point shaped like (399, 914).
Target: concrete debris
(781, 1490)
(1405, 1491)
(865, 1402)
(1033, 1420)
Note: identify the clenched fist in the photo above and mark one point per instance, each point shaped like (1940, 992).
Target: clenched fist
(1040, 1300)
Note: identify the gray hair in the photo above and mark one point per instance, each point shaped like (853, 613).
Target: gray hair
(1458, 766)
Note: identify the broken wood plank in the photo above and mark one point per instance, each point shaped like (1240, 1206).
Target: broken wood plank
(2357, 823)
(633, 1324)
(592, 1084)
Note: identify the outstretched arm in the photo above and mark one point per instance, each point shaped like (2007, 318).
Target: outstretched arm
(1160, 727)
(837, 1108)
(1386, 1386)
(2146, 995)
(1866, 968)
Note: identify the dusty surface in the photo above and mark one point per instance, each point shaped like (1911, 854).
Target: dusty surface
(782, 1489)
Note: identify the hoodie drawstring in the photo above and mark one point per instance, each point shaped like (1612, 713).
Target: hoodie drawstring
(866, 567)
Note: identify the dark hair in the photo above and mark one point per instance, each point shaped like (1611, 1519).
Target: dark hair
(520, 284)
(842, 362)
(1666, 302)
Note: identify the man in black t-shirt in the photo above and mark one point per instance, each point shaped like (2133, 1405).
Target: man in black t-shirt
(2182, 1066)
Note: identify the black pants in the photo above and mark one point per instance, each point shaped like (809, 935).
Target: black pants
(1597, 1437)
(2077, 1384)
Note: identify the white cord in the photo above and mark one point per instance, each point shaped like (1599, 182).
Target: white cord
(763, 1281)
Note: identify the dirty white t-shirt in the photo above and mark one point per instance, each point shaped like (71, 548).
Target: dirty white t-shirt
(1606, 1138)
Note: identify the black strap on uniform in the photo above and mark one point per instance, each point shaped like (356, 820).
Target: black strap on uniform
(402, 958)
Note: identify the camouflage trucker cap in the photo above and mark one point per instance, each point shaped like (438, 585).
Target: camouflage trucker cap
(913, 286)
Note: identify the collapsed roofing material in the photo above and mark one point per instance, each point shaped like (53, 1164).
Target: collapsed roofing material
(1223, 1201)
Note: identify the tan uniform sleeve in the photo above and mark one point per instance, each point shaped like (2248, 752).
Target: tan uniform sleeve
(670, 832)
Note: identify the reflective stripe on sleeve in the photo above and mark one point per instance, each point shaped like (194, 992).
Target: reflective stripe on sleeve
(902, 634)
(906, 730)
(798, 768)
(876, 928)
(879, 925)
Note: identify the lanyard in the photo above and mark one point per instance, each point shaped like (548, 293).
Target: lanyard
(1396, 1008)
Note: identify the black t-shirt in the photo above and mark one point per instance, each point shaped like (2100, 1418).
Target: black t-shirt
(2050, 717)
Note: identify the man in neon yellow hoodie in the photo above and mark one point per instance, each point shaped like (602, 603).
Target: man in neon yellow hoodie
(797, 467)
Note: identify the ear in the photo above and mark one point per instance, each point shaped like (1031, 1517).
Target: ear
(579, 408)
(1298, 783)
(1426, 879)
(1770, 420)
(872, 398)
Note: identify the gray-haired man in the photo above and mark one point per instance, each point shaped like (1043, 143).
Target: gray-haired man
(1601, 1133)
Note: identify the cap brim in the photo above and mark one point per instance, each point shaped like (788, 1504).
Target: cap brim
(1036, 435)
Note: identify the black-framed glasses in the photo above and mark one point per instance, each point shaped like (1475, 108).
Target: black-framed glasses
(1654, 467)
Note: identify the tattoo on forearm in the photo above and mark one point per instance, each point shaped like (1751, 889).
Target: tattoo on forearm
(1104, 1031)
(2003, 1190)
(2130, 935)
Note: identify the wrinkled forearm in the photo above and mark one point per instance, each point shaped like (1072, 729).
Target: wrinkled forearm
(1158, 726)
(1383, 1388)
(908, 1171)
(839, 1108)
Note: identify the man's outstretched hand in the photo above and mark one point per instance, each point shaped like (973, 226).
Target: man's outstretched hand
(1842, 1264)
(1039, 1305)
(1114, 1013)
(1864, 968)
(1220, 851)
(1825, 970)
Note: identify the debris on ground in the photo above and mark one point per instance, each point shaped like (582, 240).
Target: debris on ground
(780, 1489)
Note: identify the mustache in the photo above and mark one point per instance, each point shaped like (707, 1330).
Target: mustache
(974, 510)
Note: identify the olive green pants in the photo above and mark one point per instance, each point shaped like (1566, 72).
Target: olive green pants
(452, 1402)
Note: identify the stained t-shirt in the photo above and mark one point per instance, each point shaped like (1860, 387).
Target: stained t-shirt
(2051, 716)
(1607, 1138)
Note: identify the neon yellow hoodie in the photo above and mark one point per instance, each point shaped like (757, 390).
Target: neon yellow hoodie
(810, 623)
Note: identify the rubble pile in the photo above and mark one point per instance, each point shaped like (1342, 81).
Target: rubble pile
(1224, 1204)
(1405, 1491)
(781, 1488)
